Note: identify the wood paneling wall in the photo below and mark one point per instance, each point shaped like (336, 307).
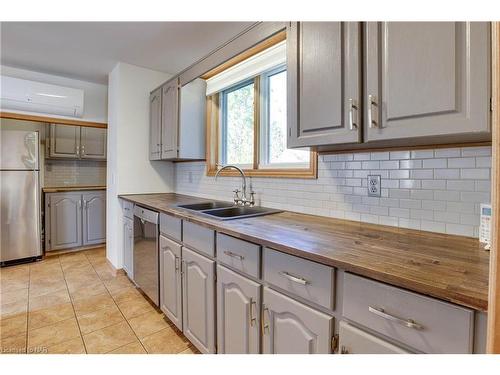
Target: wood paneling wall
(493, 344)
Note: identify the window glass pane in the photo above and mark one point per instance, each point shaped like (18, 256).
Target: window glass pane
(239, 125)
(278, 153)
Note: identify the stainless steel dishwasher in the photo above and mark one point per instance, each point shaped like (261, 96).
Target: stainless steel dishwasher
(146, 253)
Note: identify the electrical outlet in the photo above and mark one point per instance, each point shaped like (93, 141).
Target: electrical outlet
(374, 186)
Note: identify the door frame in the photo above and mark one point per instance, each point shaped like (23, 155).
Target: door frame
(493, 332)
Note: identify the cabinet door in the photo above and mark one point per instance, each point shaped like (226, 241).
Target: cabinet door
(323, 69)
(426, 79)
(128, 244)
(92, 143)
(355, 341)
(170, 280)
(290, 327)
(155, 125)
(64, 141)
(94, 217)
(169, 120)
(238, 307)
(65, 220)
(198, 307)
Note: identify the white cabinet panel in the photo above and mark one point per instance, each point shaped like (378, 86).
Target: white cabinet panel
(238, 308)
(290, 327)
(128, 245)
(94, 217)
(198, 304)
(170, 280)
(353, 340)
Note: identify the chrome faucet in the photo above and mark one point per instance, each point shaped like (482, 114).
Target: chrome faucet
(243, 201)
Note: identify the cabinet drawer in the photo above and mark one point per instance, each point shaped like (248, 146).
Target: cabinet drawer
(241, 255)
(309, 280)
(128, 209)
(198, 238)
(356, 341)
(426, 324)
(171, 226)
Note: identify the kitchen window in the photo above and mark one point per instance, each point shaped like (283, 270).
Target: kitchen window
(246, 117)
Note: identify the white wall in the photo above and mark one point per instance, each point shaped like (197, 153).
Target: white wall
(95, 97)
(129, 169)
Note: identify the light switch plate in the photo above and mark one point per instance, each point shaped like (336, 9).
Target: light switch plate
(374, 186)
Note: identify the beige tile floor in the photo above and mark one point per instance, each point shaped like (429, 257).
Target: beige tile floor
(74, 303)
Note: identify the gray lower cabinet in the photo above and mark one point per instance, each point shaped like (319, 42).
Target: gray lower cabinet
(171, 280)
(76, 142)
(426, 79)
(290, 327)
(238, 313)
(94, 218)
(198, 300)
(65, 220)
(356, 341)
(324, 78)
(128, 246)
(75, 219)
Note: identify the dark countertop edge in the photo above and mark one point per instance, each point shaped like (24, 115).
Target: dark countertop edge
(405, 283)
(54, 189)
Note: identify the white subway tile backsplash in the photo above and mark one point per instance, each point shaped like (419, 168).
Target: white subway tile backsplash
(475, 173)
(436, 190)
(422, 154)
(447, 153)
(435, 163)
(462, 163)
(410, 164)
(74, 173)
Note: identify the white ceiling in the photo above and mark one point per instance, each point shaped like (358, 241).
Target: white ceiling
(90, 50)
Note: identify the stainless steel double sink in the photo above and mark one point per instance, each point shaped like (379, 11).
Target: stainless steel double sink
(227, 211)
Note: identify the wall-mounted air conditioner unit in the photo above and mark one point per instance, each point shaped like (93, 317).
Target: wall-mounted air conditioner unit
(30, 96)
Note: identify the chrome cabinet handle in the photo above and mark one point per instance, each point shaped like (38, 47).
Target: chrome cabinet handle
(252, 319)
(296, 279)
(371, 103)
(353, 125)
(79, 204)
(176, 263)
(343, 350)
(85, 204)
(233, 255)
(409, 323)
(183, 267)
(263, 325)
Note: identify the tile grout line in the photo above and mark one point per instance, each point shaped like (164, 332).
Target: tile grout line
(28, 308)
(118, 307)
(72, 305)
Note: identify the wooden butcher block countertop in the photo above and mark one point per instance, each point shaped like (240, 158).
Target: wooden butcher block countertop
(452, 268)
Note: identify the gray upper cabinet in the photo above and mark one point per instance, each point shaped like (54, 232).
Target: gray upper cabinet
(92, 143)
(155, 125)
(323, 67)
(290, 327)
(76, 142)
(170, 280)
(169, 119)
(238, 313)
(64, 141)
(427, 79)
(177, 121)
(94, 216)
(198, 300)
(65, 220)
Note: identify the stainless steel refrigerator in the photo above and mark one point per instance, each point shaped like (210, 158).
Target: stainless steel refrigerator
(20, 196)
